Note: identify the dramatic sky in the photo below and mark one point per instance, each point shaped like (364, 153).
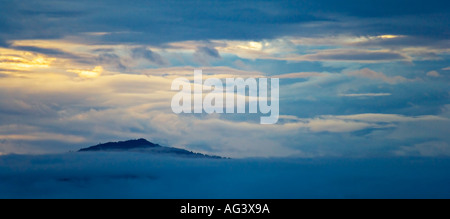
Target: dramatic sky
(358, 78)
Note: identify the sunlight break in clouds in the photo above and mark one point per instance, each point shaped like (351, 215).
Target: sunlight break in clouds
(94, 73)
(23, 61)
(19, 63)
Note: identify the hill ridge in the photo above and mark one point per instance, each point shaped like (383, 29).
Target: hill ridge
(144, 146)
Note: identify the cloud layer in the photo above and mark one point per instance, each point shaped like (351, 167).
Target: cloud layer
(128, 175)
(355, 80)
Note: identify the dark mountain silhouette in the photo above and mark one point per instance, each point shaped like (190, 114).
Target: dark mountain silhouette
(144, 146)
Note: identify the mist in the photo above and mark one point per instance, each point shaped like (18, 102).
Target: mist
(135, 175)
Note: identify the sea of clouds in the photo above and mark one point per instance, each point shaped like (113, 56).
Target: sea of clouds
(136, 175)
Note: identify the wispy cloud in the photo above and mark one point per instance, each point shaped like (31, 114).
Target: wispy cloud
(427, 149)
(349, 55)
(44, 136)
(366, 95)
(368, 73)
(204, 55)
(208, 71)
(301, 75)
(351, 123)
(434, 74)
(149, 55)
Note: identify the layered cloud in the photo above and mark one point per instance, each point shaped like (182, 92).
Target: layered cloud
(94, 73)
(367, 73)
(369, 80)
(367, 95)
(153, 21)
(134, 175)
(348, 55)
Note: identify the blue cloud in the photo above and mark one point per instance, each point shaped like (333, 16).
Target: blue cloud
(209, 51)
(155, 22)
(149, 55)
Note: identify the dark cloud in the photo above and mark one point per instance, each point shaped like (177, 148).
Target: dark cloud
(52, 14)
(35, 20)
(212, 52)
(372, 8)
(157, 22)
(45, 51)
(103, 50)
(406, 41)
(149, 55)
(353, 55)
(362, 56)
(3, 31)
(7, 70)
(112, 60)
(205, 55)
(5, 19)
(3, 43)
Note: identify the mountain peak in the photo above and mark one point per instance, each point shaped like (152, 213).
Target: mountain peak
(143, 146)
(121, 145)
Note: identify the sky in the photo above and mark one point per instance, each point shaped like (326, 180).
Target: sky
(357, 78)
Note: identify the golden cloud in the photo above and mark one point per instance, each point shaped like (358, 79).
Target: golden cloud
(94, 73)
(24, 61)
